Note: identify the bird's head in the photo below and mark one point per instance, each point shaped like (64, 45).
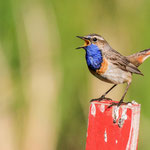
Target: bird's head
(92, 39)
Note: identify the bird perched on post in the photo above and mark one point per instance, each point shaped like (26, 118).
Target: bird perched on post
(109, 65)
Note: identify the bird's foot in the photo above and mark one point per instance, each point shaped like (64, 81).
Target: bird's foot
(101, 99)
(118, 104)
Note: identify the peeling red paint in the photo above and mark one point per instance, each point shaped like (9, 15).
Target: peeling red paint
(103, 134)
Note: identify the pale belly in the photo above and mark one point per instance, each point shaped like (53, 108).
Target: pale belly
(114, 75)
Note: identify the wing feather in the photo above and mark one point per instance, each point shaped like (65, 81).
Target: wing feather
(122, 62)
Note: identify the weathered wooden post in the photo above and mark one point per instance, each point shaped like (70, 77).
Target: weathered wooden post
(114, 128)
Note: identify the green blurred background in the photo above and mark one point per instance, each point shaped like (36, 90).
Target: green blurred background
(45, 84)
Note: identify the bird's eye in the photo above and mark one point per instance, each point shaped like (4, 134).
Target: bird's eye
(94, 39)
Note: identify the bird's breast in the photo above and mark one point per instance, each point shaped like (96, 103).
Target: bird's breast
(97, 63)
(103, 68)
(111, 73)
(94, 57)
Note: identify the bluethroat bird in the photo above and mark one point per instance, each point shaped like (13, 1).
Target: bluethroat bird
(110, 66)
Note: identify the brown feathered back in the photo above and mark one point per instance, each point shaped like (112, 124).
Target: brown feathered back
(121, 61)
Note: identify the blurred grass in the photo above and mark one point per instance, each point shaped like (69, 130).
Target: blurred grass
(45, 84)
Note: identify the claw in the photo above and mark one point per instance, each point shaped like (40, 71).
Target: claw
(101, 98)
(118, 104)
(112, 104)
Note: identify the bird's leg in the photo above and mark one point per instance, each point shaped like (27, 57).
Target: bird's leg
(121, 101)
(103, 96)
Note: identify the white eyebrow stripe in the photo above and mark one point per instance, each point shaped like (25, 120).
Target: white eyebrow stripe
(100, 38)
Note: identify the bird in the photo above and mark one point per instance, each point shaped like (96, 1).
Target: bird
(109, 65)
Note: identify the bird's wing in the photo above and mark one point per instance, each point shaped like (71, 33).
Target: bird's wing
(122, 62)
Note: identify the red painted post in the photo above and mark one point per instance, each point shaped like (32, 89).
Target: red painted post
(114, 128)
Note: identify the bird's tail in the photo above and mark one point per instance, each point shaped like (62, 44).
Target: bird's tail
(138, 58)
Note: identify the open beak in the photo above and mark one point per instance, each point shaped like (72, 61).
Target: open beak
(87, 41)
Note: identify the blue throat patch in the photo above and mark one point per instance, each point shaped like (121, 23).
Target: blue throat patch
(93, 57)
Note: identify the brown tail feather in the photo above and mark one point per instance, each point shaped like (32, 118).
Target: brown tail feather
(138, 58)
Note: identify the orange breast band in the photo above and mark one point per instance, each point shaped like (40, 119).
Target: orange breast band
(103, 67)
